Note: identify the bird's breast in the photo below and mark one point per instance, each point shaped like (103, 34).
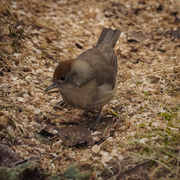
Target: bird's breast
(89, 96)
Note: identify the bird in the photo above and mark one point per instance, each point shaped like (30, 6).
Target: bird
(90, 81)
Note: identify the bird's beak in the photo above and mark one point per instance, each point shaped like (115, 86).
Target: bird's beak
(52, 86)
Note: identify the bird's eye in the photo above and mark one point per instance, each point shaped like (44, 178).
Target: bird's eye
(63, 78)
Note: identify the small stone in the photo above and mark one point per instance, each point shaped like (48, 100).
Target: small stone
(123, 35)
(37, 111)
(28, 78)
(114, 102)
(121, 158)
(20, 99)
(95, 149)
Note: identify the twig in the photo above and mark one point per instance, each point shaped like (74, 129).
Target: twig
(177, 166)
(152, 159)
(49, 56)
(22, 35)
(6, 20)
(134, 168)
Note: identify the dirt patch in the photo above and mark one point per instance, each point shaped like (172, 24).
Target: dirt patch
(140, 125)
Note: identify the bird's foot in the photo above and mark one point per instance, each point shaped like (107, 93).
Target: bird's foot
(97, 120)
(60, 105)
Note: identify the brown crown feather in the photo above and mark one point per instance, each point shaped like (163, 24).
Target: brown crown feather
(62, 69)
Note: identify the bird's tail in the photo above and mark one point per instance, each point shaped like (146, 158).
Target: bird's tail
(108, 37)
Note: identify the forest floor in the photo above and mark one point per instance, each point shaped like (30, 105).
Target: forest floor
(139, 133)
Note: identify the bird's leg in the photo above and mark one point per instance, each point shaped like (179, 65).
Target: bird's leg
(61, 103)
(97, 120)
(87, 114)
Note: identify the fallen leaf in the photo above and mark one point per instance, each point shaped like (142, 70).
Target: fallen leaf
(137, 36)
(7, 155)
(173, 34)
(76, 136)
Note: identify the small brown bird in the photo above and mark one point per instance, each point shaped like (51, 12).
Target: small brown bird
(89, 81)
